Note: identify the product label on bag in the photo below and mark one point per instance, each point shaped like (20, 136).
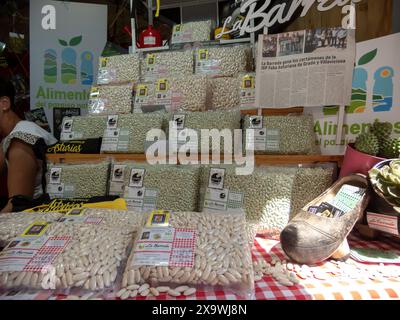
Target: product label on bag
(248, 92)
(216, 178)
(168, 246)
(115, 140)
(382, 222)
(117, 179)
(205, 65)
(178, 123)
(32, 253)
(263, 140)
(159, 218)
(181, 34)
(67, 133)
(152, 69)
(222, 200)
(60, 190)
(140, 198)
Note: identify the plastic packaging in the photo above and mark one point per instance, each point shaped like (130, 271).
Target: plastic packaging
(13, 224)
(111, 99)
(126, 133)
(147, 187)
(83, 127)
(227, 60)
(83, 180)
(217, 120)
(184, 93)
(192, 32)
(291, 134)
(119, 69)
(204, 249)
(65, 255)
(161, 64)
(265, 195)
(232, 92)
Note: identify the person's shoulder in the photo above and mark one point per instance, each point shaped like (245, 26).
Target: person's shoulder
(34, 129)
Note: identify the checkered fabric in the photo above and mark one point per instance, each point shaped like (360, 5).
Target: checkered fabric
(183, 249)
(47, 254)
(332, 287)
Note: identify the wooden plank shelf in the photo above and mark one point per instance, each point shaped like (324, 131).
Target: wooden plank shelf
(260, 159)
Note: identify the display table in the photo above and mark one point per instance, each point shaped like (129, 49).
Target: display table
(326, 284)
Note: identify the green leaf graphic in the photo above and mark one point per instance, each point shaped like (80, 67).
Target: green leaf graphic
(63, 42)
(368, 57)
(75, 41)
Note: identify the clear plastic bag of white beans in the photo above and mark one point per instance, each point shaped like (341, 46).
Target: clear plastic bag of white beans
(223, 60)
(119, 69)
(68, 254)
(236, 92)
(77, 180)
(161, 64)
(198, 250)
(111, 99)
(172, 93)
(192, 31)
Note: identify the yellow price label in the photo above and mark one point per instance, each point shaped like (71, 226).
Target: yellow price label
(141, 90)
(35, 229)
(162, 85)
(151, 59)
(159, 218)
(76, 212)
(202, 54)
(178, 28)
(248, 82)
(103, 62)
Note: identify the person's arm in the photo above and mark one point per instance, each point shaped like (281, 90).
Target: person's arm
(2, 160)
(22, 170)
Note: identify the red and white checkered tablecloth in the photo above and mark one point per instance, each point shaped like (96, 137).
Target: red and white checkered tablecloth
(335, 287)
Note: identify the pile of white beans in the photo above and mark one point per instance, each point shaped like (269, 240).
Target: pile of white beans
(222, 257)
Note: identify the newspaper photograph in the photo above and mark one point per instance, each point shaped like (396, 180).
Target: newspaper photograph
(305, 68)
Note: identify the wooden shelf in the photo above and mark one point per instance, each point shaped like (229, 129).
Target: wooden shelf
(260, 159)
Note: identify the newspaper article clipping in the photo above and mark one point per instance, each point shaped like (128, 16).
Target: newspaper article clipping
(305, 68)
